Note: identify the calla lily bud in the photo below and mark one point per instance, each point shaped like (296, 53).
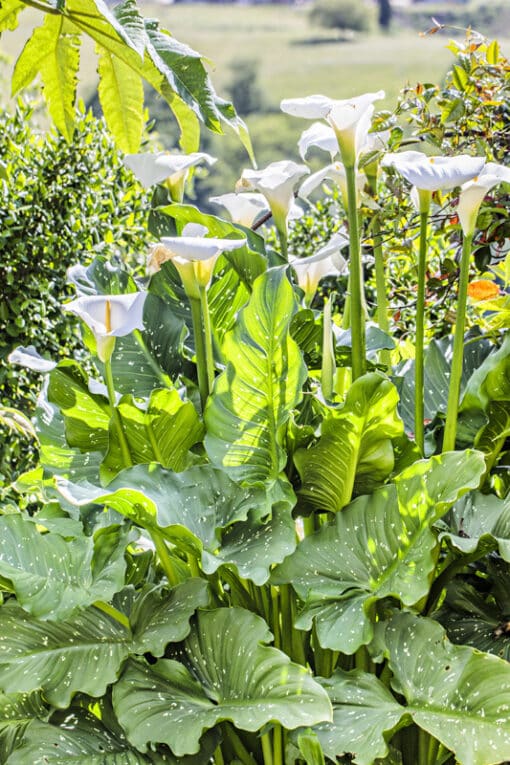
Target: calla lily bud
(109, 316)
(474, 191)
(277, 183)
(163, 167)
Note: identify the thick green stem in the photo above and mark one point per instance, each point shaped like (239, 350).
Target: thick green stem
(450, 430)
(423, 747)
(284, 245)
(237, 745)
(124, 446)
(164, 557)
(382, 311)
(267, 750)
(328, 353)
(218, 756)
(275, 601)
(119, 617)
(419, 432)
(278, 745)
(206, 322)
(198, 333)
(162, 376)
(356, 280)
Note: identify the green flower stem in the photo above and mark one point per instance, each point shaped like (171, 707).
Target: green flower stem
(162, 376)
(433, 751)
(284, 243)
(380, 289)
(164, 557)
(328, 352)
(419, 432)
(278, 745)
(237, 745)
(198, 333)
(218, 756)
(450, 430)
(356, 280)
(206, 319)
(115, 614)
(124, 446)
(275, 601)
(423, 747)
(267, 749)
(309, 525)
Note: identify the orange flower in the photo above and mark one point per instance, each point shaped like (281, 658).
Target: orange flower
(482, 289)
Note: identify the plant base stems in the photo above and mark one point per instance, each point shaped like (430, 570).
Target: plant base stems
(328, 353)
(450, 431)
(382, 311)
(356, 280)
(110, 386)
(206, 321)
(198, 333)
(419, 431)
(164, 557)
(267, 750)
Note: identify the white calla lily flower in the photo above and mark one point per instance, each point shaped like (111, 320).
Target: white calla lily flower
(350, 118)
(163, 167)
(277, 183)
(327, 261)
(434, 173)
(320, 136)
(109, 316)
(473, 192)
(242, 208)
(193, 254)
(335, 172)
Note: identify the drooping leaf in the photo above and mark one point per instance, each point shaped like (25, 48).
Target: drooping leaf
(479, 523)
(457, 694)
(379, 546)
(121, 96)
(52, 52)
(17, 711)
(75, 737)
(355, 450)
(252, 399)
(83, 653)
(53, 576)
(162, 431)
(233, 678)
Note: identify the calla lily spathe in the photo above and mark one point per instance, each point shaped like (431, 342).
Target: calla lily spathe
(434, 173)
(327, 261)
(320, 136)
(109, 316)
(277, 183)
(242, 208)
(193, 254)
(350, 119)
(473, 192)
(172, 169)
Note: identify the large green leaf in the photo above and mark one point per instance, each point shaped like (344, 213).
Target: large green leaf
(490, 381)
(379, 546)
(224, 673)
(52, 52)
(53, 576)
(121, 96)
(83, 653)
(457, 694)
(76, 737)
(161, 430)
(16, 712)
(355, 450)
(365, 716)
(203, 512)
(252, 399)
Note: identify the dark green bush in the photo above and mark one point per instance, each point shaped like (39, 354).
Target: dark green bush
(341, 14)
(61, 204)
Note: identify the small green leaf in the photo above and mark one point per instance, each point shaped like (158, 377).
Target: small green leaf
(9, 10)
(121, 96)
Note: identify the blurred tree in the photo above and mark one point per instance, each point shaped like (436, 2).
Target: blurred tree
(385, 13)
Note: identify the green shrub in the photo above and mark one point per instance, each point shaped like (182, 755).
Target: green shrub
(341, 14)
(61, 204)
